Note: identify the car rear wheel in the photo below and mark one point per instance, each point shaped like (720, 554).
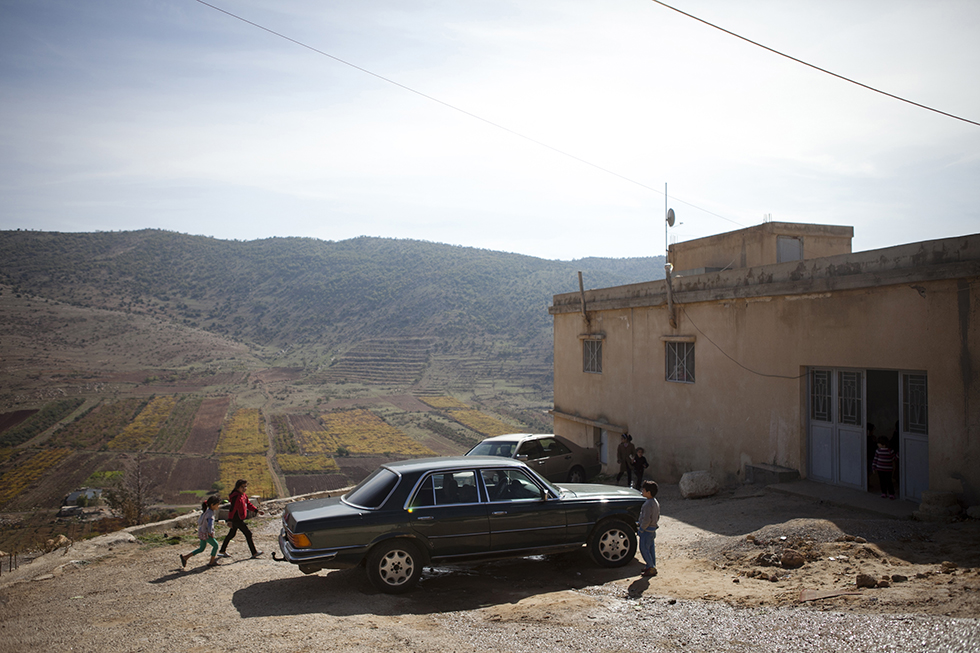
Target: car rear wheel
(613, 544)
(576, 475)
(395, 566)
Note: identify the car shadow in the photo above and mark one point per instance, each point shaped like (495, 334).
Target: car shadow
(441, 589)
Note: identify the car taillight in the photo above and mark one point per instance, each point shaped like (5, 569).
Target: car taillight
(299, 540)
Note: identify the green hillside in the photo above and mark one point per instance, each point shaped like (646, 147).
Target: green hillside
(312, 299)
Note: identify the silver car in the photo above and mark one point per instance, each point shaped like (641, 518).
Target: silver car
(556, 458)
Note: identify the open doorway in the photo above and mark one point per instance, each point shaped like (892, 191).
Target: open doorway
(882, 420)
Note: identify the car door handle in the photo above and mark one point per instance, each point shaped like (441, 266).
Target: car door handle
(498, 512)
(426, 518)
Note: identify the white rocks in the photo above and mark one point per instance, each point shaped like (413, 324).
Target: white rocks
(695, 485)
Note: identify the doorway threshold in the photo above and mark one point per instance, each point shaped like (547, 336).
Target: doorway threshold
(846, 498)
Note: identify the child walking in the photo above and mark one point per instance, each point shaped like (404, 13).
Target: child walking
(649, 519)
(639, 464)
(884, 465)
(205, 533)
(237, 513)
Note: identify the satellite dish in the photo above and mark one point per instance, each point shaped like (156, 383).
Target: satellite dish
(670, 217)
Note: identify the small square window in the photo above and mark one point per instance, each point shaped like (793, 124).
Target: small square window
(680, 362)
(592, 356)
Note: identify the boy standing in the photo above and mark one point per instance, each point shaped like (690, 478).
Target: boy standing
(639, 465)
(649, 518)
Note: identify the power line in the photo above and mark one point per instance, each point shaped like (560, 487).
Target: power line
(810, 65)
(462, 111)
(732, 359)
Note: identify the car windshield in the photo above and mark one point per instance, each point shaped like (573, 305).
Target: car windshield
(372, 491)
(504, 449)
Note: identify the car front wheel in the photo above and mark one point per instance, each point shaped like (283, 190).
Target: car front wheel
(394, 567)
(613, 544)
(576, 475)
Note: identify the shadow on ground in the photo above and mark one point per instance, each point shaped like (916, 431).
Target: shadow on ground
(442, 589)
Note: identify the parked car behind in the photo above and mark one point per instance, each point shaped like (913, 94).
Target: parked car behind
(552, 456)
(413, 513)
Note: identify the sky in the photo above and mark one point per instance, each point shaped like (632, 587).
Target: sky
(549, 128)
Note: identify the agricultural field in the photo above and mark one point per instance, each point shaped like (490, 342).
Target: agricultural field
(138, 434)
(360, 432)
(309, 464)
(254, 468)
(206, 428)
(22, 425)
(244, 433)
(480, 422)
(285, 441)
(16, 480)
(175, 431)
(105, 421)
(444, 403)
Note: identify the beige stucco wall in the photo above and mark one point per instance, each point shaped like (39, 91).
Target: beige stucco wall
(756, 246)
(749, 400)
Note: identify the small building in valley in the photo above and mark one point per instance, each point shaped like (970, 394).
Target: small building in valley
(776, 345)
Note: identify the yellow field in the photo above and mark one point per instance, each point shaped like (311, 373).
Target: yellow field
(254, 469)
(20, 477)
(360, 432)
(444, 402)
(481, 423)
(139, 433)
(295, 463)
(244, 433)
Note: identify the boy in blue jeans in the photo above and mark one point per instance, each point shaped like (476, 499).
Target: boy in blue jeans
(649, 518)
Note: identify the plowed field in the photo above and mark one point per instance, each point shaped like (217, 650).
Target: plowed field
(207, 426)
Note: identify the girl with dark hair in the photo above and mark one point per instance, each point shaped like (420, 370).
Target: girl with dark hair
(237, 512)
(205, 532)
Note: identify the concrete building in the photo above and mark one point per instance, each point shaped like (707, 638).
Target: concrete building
(776, 345)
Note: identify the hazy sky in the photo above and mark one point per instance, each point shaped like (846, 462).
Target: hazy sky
(126, 114)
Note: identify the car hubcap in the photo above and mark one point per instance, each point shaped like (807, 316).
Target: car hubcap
(396, 567)
(576, 477)
(613, 545)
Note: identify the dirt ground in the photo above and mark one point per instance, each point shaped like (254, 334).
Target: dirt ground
(717, 556)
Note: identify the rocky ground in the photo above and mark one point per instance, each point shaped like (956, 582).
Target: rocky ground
(722, 586)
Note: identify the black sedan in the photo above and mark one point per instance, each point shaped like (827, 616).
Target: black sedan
(414, 513)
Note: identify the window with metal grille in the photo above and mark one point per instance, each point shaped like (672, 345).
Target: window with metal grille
(915, 409)
(592, 356)
(680, 362)
(849, 398)
(820, 395)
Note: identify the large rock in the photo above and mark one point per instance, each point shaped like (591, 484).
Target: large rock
(973, 512)
(695, 485)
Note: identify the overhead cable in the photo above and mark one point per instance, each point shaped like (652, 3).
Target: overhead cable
(463, 111)
(810, 65)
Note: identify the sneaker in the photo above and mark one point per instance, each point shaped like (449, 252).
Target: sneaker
(213, 564)
(891, 496)
(643, 572)
(884, 496)
(649, 571)
(257, 554)
(183, 562)
(223, 555)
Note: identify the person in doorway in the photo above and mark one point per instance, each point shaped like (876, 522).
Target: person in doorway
(237, 512)
(884, 465)
(205, 532)
(624, 456)
(649, 521)
(639, 465)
